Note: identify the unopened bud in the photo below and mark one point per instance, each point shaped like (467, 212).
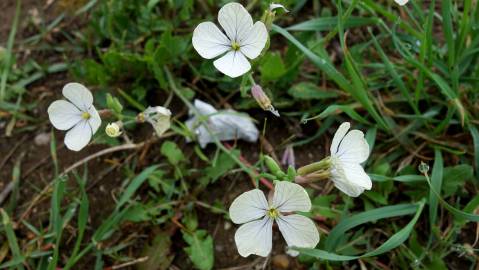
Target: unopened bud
(423, 168)
(113, 130)
(262, 99)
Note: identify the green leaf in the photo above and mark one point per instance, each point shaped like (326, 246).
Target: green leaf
(171, 151)
(158, 253)
(307, 91)
(223, 164)
(436, 181)
(394, 241)
(134, 185)
(200, 250)
(475, 139)
(368, 216)
(454, 178)
(12, 239)
(330, 23)
(272, 67)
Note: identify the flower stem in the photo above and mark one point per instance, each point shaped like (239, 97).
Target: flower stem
(322, 165)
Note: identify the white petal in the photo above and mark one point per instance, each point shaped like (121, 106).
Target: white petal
(204, 108)
(79, 136)
(63, 115)
(95, 120)
(232, 125)
(236, 21)
(255, 237)
(209, 41)
(401, 2)
(248, 206)
(255, 41)
(353, 148)
(298, 231)
(338, 137)
(233, 64)
(225, 125)
(350, 178)
(274, 6)
(289, 197)
(159, 117)
(79, 95)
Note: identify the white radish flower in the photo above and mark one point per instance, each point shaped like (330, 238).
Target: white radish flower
(77, 115)
(243, 40)
(252, 210)
(348, 151)
(401, 2)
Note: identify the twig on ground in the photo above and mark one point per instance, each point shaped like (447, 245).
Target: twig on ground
(78, 164)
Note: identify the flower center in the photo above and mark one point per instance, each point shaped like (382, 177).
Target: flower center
(235, 46)
(272, 213)
(85, 115)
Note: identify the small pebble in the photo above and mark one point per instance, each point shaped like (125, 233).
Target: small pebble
(42, 139)
(280, 261)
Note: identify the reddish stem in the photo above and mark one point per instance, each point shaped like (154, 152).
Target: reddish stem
(245, 162)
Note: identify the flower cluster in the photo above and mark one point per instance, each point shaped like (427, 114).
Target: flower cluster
(240, 42)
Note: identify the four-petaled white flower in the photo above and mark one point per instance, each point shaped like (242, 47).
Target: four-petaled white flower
(77, 115)
(348, 151)
(255, 236)
(242, 39)
(401, 2)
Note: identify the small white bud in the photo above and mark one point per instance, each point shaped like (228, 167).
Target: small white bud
(113, 130)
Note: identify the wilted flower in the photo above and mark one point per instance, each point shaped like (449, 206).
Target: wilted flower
(262, 99)
(348, 151)
(274, 6)
(401, 2)
(257, 216)
(159, 117)
(113, 130)
(224, 125)
(77, 115)
(288, 157)
(242, 39)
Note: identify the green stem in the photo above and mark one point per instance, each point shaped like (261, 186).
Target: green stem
(322, 165)
(203, 121)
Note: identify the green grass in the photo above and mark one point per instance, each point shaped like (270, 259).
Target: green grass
(406, 76)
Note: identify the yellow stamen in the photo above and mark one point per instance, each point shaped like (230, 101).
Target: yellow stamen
(85, 115)
(235, 46)
(273, 213)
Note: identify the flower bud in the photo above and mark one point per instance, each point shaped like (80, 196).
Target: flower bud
(273, 166)
(113, 130)
(262, 99)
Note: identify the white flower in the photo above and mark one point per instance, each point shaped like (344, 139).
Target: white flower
(274, 6)
(113, 130)
(225, 125)
(242, 39)
(77, 115)
(401, 2)
(348, 151)
(159, 118)
(256, 234)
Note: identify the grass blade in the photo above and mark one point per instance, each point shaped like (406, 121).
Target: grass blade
(12, 239)
(394, 241)
(11, 40)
